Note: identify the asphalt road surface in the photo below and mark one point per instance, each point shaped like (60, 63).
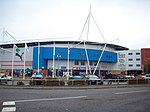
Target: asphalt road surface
(76, 100)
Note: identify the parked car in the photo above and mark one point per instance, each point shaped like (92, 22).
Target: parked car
(129, 76)
(147, 76)
(75, 77)
(121, 76)
(37, 79)
(139, 76)
(4, 78)
(94, 79)
(114, 76)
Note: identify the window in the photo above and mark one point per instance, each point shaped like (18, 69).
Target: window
(138, 65)
(130, 65)
(79, 54)
(91, 64)
(83, 54)
(137, 53)
(60, 53)
(137, 59)
(65, 53)
(108, 56)
(145, 59)
(95, 63)
(95, 55)
(82, 62)
(130, 59)
(145, 52)
(130, 53)
(76, 62)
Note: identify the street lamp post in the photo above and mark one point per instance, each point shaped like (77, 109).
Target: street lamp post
(58, 57)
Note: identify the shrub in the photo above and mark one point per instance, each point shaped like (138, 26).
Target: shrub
(20, 83)
(54, 83)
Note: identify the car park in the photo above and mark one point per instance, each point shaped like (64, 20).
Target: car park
(94, 79)
(37, 79)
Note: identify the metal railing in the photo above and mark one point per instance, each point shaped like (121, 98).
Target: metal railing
(63, 82)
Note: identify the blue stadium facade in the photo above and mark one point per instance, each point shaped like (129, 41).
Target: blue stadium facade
(46, 53)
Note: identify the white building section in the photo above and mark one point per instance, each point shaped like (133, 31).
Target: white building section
(129, 60)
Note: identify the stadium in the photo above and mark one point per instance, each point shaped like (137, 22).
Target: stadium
(59, 58)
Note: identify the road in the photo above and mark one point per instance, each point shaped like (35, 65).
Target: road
(77, 100)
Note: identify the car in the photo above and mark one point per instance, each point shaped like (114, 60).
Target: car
(139, 76)
(4, 78)
(121, 76)
(37, 79)
(75, 77)
(114, 76)
(147, 76)
(129, 76)
(94, 79)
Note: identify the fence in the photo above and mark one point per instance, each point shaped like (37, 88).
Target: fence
(64, 82)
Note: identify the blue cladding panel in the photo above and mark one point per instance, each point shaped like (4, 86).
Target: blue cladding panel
(46, 53)
(35, 58)
(42, 61)
(62, 53)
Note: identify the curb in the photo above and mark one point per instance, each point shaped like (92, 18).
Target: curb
(73, 87)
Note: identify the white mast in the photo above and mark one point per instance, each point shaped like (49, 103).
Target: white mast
(13, 58)
(68, 60)
(25, 50)
(53, 60)
(87, 57)
(87, 40)
(38, 57)
(99, 59)
(24, 62)
(88, 20)
(88, 23)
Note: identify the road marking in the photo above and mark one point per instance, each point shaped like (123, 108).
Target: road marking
(63, 98)
(8, 103)
(129, 92)
(12, 103)
(9, 109)
(8, 106)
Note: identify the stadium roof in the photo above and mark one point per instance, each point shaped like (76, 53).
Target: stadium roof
(51, 41)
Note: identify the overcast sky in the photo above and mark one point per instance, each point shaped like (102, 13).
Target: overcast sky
(126, 20)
